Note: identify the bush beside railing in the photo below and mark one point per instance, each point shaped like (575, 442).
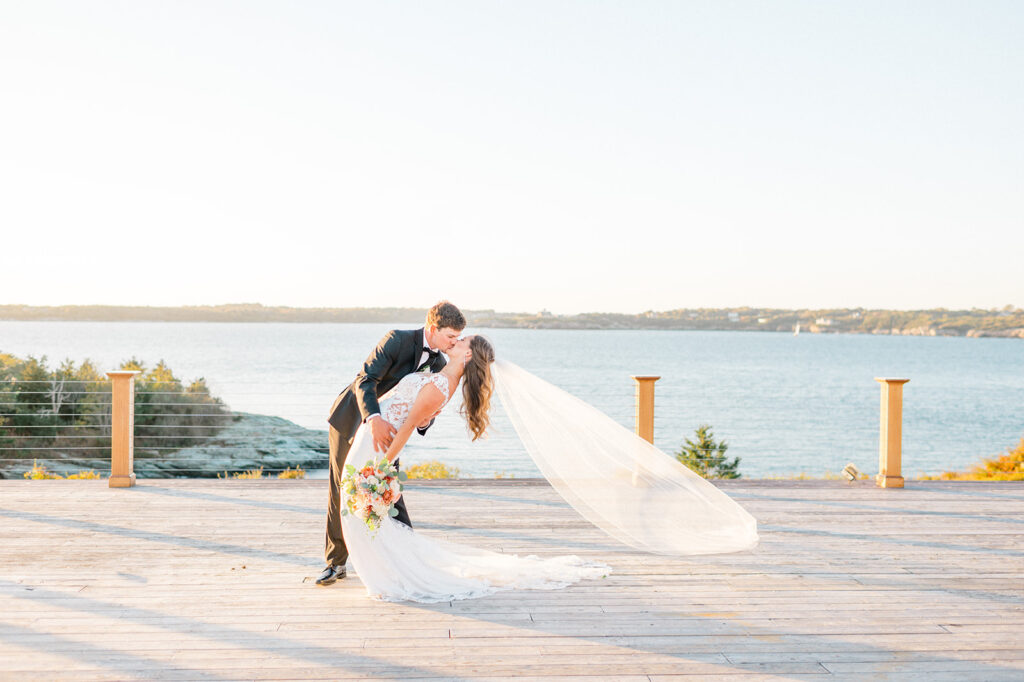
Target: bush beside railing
(66, 412)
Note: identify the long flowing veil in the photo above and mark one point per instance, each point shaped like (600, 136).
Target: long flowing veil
(622, 484)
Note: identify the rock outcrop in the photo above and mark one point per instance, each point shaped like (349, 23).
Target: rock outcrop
(1002, 333)
(251, 442)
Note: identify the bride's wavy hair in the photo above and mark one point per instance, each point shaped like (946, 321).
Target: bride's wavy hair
(478, 386)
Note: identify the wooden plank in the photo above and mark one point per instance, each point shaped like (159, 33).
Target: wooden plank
(211, 580)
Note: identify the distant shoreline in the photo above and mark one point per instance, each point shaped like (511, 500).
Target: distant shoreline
(1007, 322)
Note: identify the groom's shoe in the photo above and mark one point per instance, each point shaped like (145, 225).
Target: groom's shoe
(331, 574)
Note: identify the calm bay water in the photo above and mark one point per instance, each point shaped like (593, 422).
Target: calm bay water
(785, 404)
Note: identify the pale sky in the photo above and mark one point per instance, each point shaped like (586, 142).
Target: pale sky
(574, 156)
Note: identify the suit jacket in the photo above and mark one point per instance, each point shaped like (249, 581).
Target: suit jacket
(397, 354)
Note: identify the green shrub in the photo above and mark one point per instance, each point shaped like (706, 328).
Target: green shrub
(707, 457)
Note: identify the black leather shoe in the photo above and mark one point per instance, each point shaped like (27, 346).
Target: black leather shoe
(331, 574)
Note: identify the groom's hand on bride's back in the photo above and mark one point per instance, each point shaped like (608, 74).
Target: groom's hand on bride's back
(383, 433)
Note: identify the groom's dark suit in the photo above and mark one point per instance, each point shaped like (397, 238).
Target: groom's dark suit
(397, 355)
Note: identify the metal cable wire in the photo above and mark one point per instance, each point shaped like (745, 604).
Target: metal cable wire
(175, 470)
(51, 404)
(137, 438)
(146, 448)
(84, 447)
(61, 391)
(185, 394)
(182, 426)
(71, 426)
(9, 382)
(80, 437)
(232, 415)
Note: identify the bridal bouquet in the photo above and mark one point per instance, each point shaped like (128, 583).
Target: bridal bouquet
(371, 492)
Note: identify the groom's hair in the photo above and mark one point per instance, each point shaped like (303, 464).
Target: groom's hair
(445, 314)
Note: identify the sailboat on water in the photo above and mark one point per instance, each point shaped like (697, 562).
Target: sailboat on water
(796, 329)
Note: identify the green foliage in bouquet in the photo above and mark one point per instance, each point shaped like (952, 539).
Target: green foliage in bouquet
(377, 485)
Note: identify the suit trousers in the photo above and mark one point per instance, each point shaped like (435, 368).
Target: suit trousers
(335, 550)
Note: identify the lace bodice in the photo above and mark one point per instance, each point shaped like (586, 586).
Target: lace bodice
(395, 404)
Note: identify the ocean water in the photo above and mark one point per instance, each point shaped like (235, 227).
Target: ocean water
(785, 404)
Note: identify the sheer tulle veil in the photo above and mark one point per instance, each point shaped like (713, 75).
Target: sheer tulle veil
(616, 480)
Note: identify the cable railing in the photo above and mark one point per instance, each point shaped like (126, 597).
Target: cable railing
(170, 430)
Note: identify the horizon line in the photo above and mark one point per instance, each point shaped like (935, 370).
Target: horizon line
(1008, 306)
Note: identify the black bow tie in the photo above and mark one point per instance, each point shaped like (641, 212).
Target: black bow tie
(431, 356)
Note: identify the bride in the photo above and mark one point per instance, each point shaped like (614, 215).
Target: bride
(614, 479)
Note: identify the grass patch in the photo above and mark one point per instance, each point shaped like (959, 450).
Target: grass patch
(87, 474)
(250, 474)
(432, 470)
(1008, 466)
(39, 472)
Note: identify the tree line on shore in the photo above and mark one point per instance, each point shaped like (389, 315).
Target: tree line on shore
(1007, 321)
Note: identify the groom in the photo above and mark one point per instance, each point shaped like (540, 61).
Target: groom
(399, 353)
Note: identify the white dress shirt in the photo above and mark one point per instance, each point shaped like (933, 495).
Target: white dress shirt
(423, 355)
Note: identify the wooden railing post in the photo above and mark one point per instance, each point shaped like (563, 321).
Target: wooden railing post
(645, 407)
(890, 436)
(644, 414)
(122, 429)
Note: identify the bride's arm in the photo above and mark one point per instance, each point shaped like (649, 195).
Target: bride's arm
(428, 401)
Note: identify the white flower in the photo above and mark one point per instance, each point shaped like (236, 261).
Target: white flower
(373, 480)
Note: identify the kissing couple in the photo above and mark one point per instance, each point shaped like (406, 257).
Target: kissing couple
(619, 482)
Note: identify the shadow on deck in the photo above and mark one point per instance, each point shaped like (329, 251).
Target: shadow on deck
(213, 580)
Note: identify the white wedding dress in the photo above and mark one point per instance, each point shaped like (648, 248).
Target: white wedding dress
(397, 563)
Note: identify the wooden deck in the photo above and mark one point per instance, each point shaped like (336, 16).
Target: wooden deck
(212, 580)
